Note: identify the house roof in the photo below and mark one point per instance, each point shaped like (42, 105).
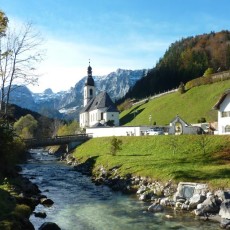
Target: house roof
(224, 95)
(102, 100)
(178, 118)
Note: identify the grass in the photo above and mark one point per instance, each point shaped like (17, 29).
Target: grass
(157, 157)
(191, 106)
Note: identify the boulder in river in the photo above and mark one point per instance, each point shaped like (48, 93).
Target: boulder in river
(49, 226)
(46, 202)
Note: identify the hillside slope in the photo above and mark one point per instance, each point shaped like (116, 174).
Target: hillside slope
(185, 60)
(191, 106)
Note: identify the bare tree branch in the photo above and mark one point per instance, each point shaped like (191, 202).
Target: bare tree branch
(20, 54)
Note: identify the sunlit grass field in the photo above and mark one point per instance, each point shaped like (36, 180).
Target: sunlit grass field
(191, 106)
(197, 158)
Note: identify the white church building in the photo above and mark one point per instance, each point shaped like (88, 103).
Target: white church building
(99, 110)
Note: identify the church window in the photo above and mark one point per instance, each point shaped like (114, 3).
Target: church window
(91, 92)
(227, 129)
(225, 114)
(102, 116)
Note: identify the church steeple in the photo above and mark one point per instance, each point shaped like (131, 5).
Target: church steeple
(89, 88)
(89, 80)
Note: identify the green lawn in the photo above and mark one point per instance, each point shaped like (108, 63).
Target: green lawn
(191, 106)
(180, 158)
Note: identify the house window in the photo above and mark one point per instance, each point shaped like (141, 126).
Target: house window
(225, 114)
(227, 129)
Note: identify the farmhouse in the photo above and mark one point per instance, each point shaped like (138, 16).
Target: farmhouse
(223, 107)
(98, 110)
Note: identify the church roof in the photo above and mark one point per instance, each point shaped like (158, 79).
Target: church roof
(102, 100)
(89, 81)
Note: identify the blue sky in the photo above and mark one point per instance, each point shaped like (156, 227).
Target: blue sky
(127, 34)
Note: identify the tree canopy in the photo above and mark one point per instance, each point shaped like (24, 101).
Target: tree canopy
(185, 60)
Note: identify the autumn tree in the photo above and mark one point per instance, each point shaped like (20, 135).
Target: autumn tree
(68, 129)
(26, 126)
(3, 23)
(20, 54)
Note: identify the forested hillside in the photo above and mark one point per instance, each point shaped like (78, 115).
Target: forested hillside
(185, 60)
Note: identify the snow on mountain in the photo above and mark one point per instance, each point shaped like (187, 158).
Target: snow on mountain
(68, 103)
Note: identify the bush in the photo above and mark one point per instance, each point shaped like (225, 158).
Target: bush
(115, 145)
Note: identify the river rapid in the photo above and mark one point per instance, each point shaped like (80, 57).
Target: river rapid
(80, 204)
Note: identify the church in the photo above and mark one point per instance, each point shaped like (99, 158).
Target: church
(99, 110)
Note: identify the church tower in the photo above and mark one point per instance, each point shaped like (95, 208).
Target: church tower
(89, 88)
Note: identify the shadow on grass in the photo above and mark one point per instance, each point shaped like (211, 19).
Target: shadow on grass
(196, 175)
(87, 166)
(131, 115)
(135, 155)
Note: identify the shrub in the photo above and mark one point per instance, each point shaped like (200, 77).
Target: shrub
(115, 145)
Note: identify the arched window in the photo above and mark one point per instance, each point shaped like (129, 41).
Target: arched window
(91, 92)
(227, 129)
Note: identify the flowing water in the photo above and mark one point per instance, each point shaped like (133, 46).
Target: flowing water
(79, 204)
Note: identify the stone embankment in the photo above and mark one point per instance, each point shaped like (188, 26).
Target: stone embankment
(26, 193)
(189, 197)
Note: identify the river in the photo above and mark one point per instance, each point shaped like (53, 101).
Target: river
(80, 204)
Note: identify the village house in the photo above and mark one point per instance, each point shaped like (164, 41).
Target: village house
(178, 126)
(98, 110)
(223, 107)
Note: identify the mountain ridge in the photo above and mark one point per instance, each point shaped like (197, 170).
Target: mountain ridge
(67, 104)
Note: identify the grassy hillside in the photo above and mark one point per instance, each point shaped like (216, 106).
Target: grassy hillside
(155, 157)
(191, 106)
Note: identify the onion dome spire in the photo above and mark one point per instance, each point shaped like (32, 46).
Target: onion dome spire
(89, 80)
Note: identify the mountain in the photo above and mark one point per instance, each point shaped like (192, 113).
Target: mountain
(67, 104)
(185, 60)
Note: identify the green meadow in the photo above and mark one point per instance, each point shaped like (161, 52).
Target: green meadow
(191, 106)
(193, 158)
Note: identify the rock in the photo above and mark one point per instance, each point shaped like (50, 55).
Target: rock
(225, 223)
(49, 226)
(185, 207)
(169, 216)
(195, 200)
(46, 202)
(40, 214)
(186, 190)
(223, 195)
(225, 209)
(155, 208)
(142, 189)
(210, 205)
(142, 197)
(178, 205)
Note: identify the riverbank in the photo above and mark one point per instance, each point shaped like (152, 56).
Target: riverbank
(148, 167)
(18, 199)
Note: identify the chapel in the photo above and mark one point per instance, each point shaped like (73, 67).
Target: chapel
(98, 110)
